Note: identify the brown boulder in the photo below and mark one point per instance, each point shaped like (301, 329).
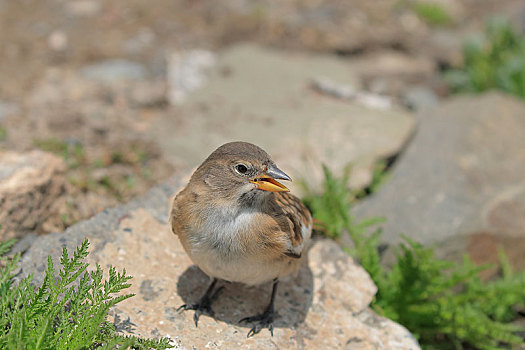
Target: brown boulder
(32, 187)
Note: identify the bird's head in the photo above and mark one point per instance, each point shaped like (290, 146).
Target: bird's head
(240, 170)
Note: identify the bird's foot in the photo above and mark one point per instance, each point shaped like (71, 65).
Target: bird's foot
(264, 320)
(203, 306)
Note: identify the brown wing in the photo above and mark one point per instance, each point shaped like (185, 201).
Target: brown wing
(174, 213)
(293, 218)
(179, 214)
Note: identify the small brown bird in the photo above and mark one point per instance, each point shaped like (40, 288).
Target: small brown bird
(238, 224)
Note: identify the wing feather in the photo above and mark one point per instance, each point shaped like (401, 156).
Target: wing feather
(295, 220)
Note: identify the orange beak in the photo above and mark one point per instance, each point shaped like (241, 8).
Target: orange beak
(268, 182)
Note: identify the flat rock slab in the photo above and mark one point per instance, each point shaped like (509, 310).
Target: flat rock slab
(266, 97)
(32, 188)
(324, 306)
(463, 174)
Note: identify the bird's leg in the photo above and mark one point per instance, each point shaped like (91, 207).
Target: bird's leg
(204, 304)
(264, 320)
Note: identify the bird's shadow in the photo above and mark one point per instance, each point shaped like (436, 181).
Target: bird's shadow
(236, 301)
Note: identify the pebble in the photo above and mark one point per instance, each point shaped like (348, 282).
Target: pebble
(420, 97)
(328, 87)
(83, 8)
(186, 73)
(6, 109)
(57, 40)
(114, 70)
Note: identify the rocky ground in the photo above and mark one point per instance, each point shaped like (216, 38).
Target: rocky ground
(102, 100)
(324, 306)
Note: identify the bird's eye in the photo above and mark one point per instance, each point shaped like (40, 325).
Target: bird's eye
(241, 169)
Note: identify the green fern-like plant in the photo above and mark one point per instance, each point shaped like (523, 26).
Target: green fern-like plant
(68, 311)
(443, 303)
(494, 60)
(436, 298)
(331, 205)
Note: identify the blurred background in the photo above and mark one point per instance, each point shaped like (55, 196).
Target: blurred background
(126, 92)
(422, 100)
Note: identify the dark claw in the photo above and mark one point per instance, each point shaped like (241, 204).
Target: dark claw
(257, 328)
(252, 332)
(204, 305)
(264, 320)
(198, 313)
(184, 306)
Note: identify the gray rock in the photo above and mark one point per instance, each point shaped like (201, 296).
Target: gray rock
(187, 72)
(420, 97)
(266, 97)
(329, 88)
(145, 94)
(143, 39)
(7, 109)
(461, 175)
(445, 45)
(346, 92)
(83, 8)
(114, 70)
(389, 72)
(324, 306)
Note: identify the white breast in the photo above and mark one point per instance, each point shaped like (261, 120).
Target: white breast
(222, 229)
(216, 249)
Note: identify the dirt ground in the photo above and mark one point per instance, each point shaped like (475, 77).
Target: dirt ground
(97, 29)
(101, 129)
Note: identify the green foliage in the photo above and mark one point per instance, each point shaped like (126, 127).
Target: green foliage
(435, 297)
(83, 169)
(495, 60)
(68, 311)
(331, 206)
(443, 303)
(432, 13)
(73, 154)
(3, 134)
(379, 176)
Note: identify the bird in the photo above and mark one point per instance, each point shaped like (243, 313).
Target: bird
(237, 223)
